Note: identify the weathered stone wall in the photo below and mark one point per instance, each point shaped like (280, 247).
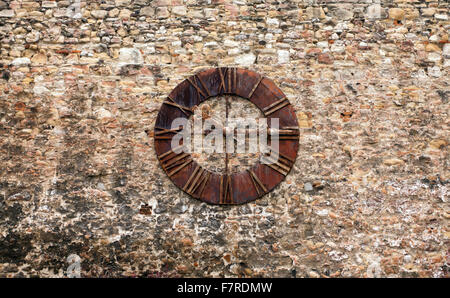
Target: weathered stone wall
(80, 91)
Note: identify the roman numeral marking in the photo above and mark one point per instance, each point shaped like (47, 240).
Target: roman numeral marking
(203, 84)
(172, 160)
(290, 127)
(260, 188)
(222, 79)
(176, 162)
(235, 78)
(288, 137)
(194, 84)
(195, 179)
(230, 74)
(231, 78)
(282, 165)
(279, 104)
(203, 184)
(184, 109)
(254, 87)
(276, 166)
(161, 135)
(226, 190)
(171, 151)
(285, 133)
(176, 170)
(283, 158)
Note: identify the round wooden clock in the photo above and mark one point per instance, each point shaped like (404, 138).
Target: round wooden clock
(226, 188)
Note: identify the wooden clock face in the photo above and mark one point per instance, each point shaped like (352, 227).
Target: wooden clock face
(228, 187)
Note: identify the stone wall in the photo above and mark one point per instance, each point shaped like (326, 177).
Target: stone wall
(81, 85)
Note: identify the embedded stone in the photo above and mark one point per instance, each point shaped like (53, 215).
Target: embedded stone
(337, 48)
(159, 3)
(162, 12)
(33, 37)
(428, 12)
(438, 143)
(431, 47)
(7, 13)
(434, 57)
(125, 14)
(122, 2)
(130, 56)
(147, 11)
(434, 71)
(393, 162)
(102, 113)
(179, 10)
(446, 50)
(210, 12)
(314, 12)
(99, 14)
(342, 14)
(230, 43)
(273, 22)
(49, 4)
(374, 11)
(39, 59)
(113, 13)
(325, 58)
(21, 61)
(283, 56)
(246, 59)
(396, 14)
(441, 17)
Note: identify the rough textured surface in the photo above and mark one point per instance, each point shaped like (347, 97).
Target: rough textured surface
(79, 90)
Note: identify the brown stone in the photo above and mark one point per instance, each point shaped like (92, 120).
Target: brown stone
(393, 162)
(325, 58)
(431, 47)
(438, 143)
(396, 13)
(39, 59)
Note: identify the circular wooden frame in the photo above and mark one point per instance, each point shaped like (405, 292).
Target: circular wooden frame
(236, 188)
